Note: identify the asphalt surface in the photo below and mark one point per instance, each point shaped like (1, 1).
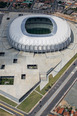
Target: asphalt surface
(48, 96)
(52, 91)
(11, 109)
(60, 94)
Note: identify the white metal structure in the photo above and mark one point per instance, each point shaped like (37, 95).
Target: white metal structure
(58, 39)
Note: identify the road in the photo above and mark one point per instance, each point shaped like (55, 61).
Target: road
(53, 96)
(60, 94)
(11, 109)
(54, 89)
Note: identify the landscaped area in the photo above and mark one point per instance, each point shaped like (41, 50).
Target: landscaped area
(3, 4)
(30, 102)
(36, 95)
(53, 80)
(7, 101)
(5, 80)
(4, 113)
(33, 98)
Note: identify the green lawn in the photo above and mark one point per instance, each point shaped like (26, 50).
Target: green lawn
(47, 87)
(4, 113)
(7, 101)
(34, 97)
(6, 81)
(53, 80)
(30, 102)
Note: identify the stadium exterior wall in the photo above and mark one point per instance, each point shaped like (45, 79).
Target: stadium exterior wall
(40, 48)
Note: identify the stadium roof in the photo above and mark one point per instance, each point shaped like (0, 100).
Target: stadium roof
(58, 39)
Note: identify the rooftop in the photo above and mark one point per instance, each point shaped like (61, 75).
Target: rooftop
(60, 111)
(66, 114)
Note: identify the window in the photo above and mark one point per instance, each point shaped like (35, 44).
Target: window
(23, 76)
(6, 80)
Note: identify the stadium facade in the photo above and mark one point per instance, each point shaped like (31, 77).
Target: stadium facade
(39, 33)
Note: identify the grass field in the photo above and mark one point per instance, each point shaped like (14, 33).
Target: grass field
(7, 101)
(28, 104)
(4, 113)
(6, 81)
(47, 87)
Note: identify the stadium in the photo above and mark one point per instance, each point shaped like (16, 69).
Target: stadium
(39, 33)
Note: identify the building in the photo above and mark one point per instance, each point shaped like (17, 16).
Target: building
(60, 111)
(39, 33)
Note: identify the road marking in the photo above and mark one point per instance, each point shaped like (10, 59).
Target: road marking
(11, 109)
(72, 72)
(64, 95)
(76, 67)
(53, 96)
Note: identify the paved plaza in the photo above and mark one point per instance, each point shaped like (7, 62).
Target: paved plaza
(46, 63)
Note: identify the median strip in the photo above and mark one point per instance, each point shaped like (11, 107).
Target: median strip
(53, 80)
(6, 100)
(11, 109)
(54, 95)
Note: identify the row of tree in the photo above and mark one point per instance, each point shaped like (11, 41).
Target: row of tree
(3, 4)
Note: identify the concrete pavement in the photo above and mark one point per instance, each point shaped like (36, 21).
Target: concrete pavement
(62, 81)
(53, 96)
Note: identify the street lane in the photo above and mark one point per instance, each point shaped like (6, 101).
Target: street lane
(11, 109)
(53, 89)
(60, 94)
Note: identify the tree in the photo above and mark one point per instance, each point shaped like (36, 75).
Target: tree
(60, 2)
(3, 4)
(29, 5)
